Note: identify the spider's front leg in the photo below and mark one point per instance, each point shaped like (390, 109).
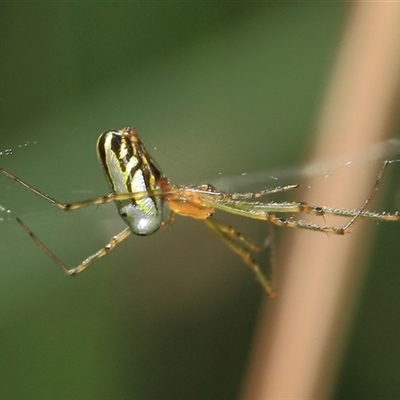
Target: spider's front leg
(85, 203)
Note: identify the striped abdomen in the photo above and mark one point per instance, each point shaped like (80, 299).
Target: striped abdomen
(130, 169)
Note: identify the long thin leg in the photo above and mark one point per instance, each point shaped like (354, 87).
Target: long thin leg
(270, 244)
(267, 211)
(137, 195)
(98, 200)
(86, 263)
(355, 214)
(241, 246)
(265, 192)
(214, 195)
(261, 210)
(170, 220)
(335, 229)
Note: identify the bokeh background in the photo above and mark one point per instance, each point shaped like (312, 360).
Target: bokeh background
(215, 90)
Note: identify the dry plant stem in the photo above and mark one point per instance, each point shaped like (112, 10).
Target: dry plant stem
(301, 338)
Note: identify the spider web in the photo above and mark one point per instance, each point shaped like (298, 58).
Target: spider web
(313, 172)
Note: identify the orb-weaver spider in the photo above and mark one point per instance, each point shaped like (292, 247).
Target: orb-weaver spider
(140, 190)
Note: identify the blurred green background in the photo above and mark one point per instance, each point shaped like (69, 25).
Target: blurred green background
(213, 88)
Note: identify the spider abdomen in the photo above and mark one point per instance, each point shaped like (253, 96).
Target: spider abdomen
(130, 169)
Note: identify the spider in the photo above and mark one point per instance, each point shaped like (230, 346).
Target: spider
(139, 190)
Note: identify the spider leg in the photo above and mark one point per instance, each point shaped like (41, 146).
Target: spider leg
(265, 192)
(360, 213)
(257, 210)
(241, 246)
(270, 244)
(356, 214)
(290, 223)
(213, 195)
(88, 261)
(98, 200)
(267, 211)
(170, 220)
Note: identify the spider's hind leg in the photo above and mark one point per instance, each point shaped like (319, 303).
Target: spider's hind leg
(115, 240)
